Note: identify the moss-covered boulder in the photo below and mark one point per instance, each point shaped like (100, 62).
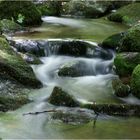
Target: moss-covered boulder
(128, 14)
(128, 41)
(23, 12)
(9, 26)
(131, 40)
(120, 89)
(135, 81)
(126, 62)
(114, 41)
(12, 65)
(61, 98)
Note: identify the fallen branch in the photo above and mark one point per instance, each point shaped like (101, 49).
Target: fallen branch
(40, 112)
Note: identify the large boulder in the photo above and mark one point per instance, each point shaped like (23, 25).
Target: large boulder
(23, 12)
(126, 62)
(75, 69)
(13, 66)
(120, 89)
(61, 98)
(135, 81)
(128, 14)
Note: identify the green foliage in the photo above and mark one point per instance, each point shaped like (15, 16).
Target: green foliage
(21, 18)
(135, 81)
(14, 9)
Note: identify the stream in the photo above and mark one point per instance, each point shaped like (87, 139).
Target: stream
(88, 88)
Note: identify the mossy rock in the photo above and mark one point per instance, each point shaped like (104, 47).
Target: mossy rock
(28, 11)
(120, 89)
(131, 41)
(113, 42)
(126, 62)
(135, 81)
(61, 98)
(12, 65)
(129, 14)
(128, 41)
(9, 26)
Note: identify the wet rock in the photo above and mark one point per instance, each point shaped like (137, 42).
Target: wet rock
(135, 81)
(12, 65)
(31, 59)
(75, 69)
(126, 62)
(61, 98)
(23, 12)
(120, 89)
(28, 46)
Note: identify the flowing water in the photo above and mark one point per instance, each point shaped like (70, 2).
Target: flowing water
(87, 29)
(88, 88)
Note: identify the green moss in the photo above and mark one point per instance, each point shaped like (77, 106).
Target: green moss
(125, 63)
(13, 65)
(12, 9)
(131, 41)
(129, 14)
(135, 81)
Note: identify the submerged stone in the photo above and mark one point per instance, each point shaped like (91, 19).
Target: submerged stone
(61, 98)
(75, 69)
